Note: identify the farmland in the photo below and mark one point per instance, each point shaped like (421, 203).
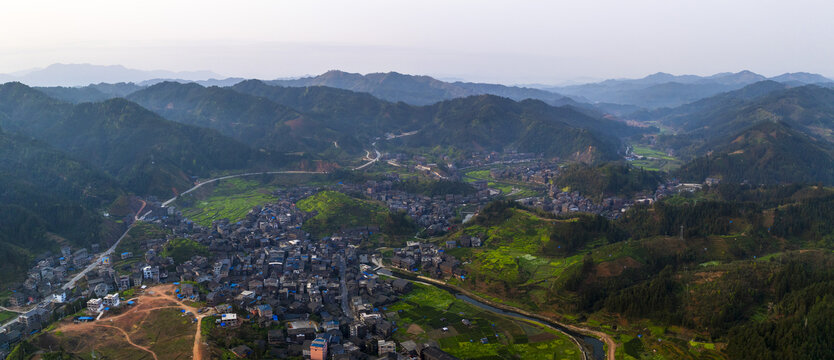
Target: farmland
(424, 313)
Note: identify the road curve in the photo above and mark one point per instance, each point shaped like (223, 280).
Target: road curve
(169, 201)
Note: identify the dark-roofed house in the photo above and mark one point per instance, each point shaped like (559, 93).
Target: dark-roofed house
(402, 286)
(434, 353)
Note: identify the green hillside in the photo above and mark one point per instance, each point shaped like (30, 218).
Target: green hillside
(336, 211)
(257, 121)
(148, 154)
(47, 199)
(766, 153)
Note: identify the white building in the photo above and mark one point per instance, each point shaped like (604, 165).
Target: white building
(95, 305)
(111, 300)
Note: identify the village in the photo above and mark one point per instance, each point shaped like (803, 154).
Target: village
(324, 293)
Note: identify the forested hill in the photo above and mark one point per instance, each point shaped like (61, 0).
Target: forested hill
(145, 152)
(492, 123)
(47, 198)
(315, 117)
(766, 153)
(255, 120)
(341, 110)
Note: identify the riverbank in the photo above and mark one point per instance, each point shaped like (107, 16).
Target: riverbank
(588, 340)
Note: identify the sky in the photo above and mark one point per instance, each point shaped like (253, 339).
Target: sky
(511, 42)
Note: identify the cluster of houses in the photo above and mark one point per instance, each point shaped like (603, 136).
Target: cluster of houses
(432, 260)
(265, 269)
(537, 172)
(433, 214)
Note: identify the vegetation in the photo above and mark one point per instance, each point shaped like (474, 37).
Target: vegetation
(230, 199)
(608, 180)
(47, 199)
(144, 152)
(182, 250)
(423, 313)
(336, 211)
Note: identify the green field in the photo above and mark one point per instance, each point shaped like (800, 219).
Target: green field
(513, 190)
(335, 211)
(422, 314)
(230, 199)
(6, 316)
(655, 160)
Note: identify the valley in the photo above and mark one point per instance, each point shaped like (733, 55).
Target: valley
(280, 216)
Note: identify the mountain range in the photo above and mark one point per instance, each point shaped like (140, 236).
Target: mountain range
(314, 119)
(665, 90)
(145, 152)
(85, 74)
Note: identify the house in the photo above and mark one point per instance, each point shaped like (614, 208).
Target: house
(265, 311)
(384, 347)
(124, 282)
(318, 349)
(34, 318)
(17, 299)
(186, 290)
(434, 353)
(401, 286)
(242, 351)
(95, 305)
(111, 300)
(229, 319)
(151, 273)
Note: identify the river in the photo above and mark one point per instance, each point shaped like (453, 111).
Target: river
(592, 347)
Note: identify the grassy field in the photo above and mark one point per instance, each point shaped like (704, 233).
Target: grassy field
(513, 190)
(6, 316)
(423, 313)
(655, 160)
(230, 199)
(336, 210)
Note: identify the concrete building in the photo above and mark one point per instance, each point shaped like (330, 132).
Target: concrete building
(318, 349)
(95, 305)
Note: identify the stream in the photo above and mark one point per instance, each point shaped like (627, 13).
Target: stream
(592, 347)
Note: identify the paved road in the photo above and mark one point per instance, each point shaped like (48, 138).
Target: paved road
(344, 290)
(370, 161)
(169, 201)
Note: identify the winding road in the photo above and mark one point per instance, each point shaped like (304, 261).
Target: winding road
(169, 201)
(370, 161)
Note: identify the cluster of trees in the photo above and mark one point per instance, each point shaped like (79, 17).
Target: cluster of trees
(610, 179)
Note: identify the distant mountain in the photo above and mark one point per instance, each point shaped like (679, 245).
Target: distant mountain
(801, 78)
(809, 108)
(225, 82)
(90, 93)
(665, 90)
(418, 90)
(491, 123)
(257, 121)
(46, 198)
(764, 133)
(660, 89)
(85, 74)
(145, 152)
(769, 152)
(341, 110)
(312, 118)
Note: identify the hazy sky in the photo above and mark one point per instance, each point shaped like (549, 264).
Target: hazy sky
(500, 41)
